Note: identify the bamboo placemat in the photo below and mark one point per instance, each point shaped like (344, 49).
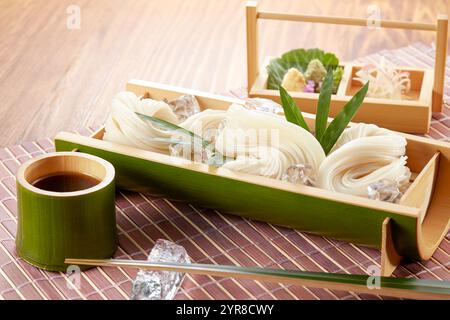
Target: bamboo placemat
(208, 235)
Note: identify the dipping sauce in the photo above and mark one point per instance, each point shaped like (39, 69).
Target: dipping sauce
(66, 182)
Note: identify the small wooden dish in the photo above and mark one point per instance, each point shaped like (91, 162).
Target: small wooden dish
(412, 114)
(413, 228)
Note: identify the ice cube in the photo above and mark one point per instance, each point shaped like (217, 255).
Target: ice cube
(384, 190)
(160, 285)
(299, 173)
(262, 104)
(390, 190)
(193, 152)
(184, 106)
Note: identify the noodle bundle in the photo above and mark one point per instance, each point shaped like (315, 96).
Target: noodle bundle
(205, 124)
(361, 130)
(364, 154)
(265, 144)
(126, 127)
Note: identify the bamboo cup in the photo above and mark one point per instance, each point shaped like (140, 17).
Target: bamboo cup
(55, 225)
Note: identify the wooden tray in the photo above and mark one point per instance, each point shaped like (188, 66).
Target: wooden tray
(414, 228)
(408, 115)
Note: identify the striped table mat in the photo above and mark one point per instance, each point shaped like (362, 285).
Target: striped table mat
(209, 236)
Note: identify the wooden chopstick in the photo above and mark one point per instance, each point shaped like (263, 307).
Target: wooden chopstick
(395, 287)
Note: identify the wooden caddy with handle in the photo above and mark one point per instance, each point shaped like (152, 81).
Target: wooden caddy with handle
(410, 115)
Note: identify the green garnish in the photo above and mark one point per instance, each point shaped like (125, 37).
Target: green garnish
(327, 136)
(190, 138)
(341, 121)
(323, 105)
(291, 112)
(298, 58)
(196, 139)
(337, 76)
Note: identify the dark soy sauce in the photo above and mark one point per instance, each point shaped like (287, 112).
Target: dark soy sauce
(66, 182)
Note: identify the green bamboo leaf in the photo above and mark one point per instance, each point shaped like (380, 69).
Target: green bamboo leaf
(216, 158)
(173, 127)
(323, 106)
(167, 140)
(291, 111)
(337, 77)
(399, 287)
(340, 122)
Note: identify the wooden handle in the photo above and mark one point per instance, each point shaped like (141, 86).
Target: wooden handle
(440, 62)
(393, 24)
(251, 9)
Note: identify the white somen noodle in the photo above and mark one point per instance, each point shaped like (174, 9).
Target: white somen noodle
(266, 144)
(126, 127)
(364, 155)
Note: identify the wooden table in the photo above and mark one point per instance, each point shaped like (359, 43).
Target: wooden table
(54, 78)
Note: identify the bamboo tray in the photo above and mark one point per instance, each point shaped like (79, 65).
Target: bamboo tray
(412, 114)
(411, 229)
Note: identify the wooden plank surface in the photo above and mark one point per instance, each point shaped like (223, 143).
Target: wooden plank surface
(53, 78)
